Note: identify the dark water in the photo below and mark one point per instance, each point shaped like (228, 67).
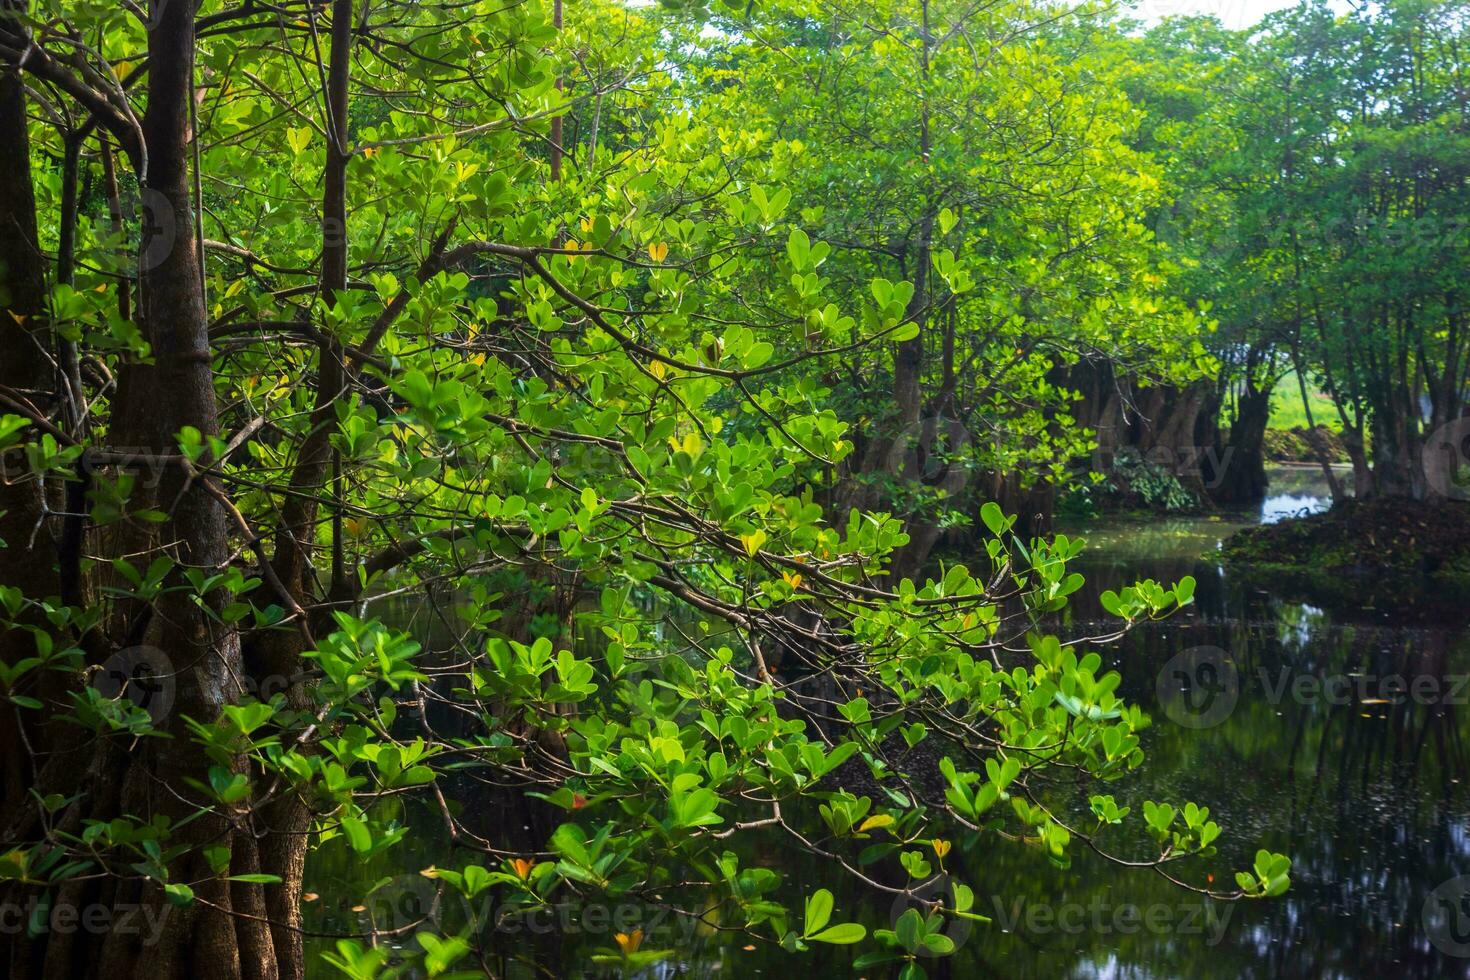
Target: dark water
(1335, 737)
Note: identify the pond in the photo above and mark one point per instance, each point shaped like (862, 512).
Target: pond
(1337, 737)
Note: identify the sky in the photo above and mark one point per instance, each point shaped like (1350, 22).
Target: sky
(1234, 14)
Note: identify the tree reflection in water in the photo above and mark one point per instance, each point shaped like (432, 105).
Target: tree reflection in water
(1345, 748)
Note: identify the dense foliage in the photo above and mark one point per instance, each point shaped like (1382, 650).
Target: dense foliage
(647, 353)
(1321, 206)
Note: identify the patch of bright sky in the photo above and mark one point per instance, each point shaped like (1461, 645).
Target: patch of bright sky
(1234, 14)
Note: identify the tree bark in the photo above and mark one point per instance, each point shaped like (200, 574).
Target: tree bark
(1237, 473)
(203, 939)
(153, 779)
(278, 656)
(28, 559)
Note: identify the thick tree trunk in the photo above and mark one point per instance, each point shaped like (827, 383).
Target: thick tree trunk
(1236, 472)
(1352, 440)
(1398, 469)
(28, 559)
(152, 779)
(203, 939)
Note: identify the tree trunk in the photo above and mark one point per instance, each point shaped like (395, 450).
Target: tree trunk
(203, 939)
(1236, 474)
(278, 656)
(1334, 485)
(152, 779)
(28, 558)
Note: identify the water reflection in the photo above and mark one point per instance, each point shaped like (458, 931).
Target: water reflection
(1299, 490)
(1343, 746)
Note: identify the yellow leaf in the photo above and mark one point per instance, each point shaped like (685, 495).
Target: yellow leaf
(874, 822)
(629, 942)
(941, 848)
(655, 368)
(753, 541)
(658, 251)
(587, 225)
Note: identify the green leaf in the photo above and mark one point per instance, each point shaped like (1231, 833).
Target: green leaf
(818, 911)
(357, 834)
(842, 934)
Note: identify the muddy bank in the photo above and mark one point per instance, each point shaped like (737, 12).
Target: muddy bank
(1303, 445)
(1377, 555)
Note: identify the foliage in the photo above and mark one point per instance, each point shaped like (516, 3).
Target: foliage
(1322, 211)
(393, 358)
(1153, 484)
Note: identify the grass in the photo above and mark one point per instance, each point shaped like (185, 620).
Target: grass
(1286, 406)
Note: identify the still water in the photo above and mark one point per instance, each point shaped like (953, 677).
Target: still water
(1337, 737)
